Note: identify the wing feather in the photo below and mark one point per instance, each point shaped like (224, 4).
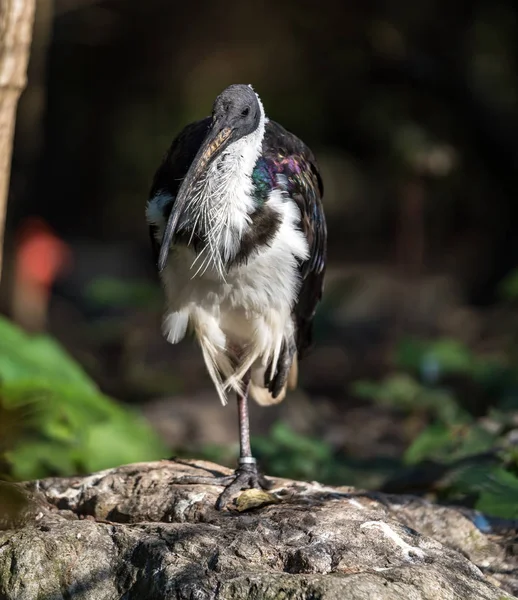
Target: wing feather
(173, 169)
(297, 172)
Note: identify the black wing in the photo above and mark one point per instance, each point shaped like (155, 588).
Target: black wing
(290, 157)
(174, 167)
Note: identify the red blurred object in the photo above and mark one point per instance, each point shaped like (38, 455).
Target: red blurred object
(40, 258)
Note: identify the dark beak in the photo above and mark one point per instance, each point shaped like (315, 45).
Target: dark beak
(216, 140)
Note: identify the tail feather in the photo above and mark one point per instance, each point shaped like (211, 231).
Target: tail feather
(214, 370)
(218, 363)
(228, 366)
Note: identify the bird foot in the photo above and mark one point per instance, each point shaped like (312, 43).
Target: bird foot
(245, 477)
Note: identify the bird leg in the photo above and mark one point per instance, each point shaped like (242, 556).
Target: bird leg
(246, 476)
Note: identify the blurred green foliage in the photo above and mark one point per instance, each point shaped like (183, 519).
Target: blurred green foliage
(287, 453)
(479, 453)
(509, 286)
(457, 457)
(117, 293)
(54, 420)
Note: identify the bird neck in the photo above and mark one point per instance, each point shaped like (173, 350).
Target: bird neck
(225, 204)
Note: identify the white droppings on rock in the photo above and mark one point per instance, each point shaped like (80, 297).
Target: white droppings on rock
(316, 487)
(73, 492)
(385, 528)
(183, 504)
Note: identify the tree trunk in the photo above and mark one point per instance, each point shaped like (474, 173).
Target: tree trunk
(16, 20)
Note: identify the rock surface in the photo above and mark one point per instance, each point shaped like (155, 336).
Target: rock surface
(133, 533)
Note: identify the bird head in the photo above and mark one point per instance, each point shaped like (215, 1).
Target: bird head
(237, 112)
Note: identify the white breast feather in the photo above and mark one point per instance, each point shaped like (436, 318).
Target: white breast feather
(251, 308)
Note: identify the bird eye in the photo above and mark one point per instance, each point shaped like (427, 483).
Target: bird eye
(245, 112)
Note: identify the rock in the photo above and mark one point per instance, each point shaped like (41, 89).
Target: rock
(133, 533)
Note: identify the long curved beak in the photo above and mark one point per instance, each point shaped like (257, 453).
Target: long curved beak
(216, 141)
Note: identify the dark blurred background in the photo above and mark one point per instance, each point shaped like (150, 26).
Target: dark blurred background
(411, 109)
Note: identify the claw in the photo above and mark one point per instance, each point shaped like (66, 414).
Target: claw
(245, 477)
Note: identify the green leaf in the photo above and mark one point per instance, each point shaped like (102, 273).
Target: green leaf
(114, 443)
(472, 440)
(445, 443)
(508, 287)
(499, 505)
(497, 489)
(369, 390)
(434, 442)
(61, 424)
(288, 453)
(403, 391)
(451, 356)
(409, 354)
(108, 291)
(38, 459)
(399, 389)
(37, 358)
